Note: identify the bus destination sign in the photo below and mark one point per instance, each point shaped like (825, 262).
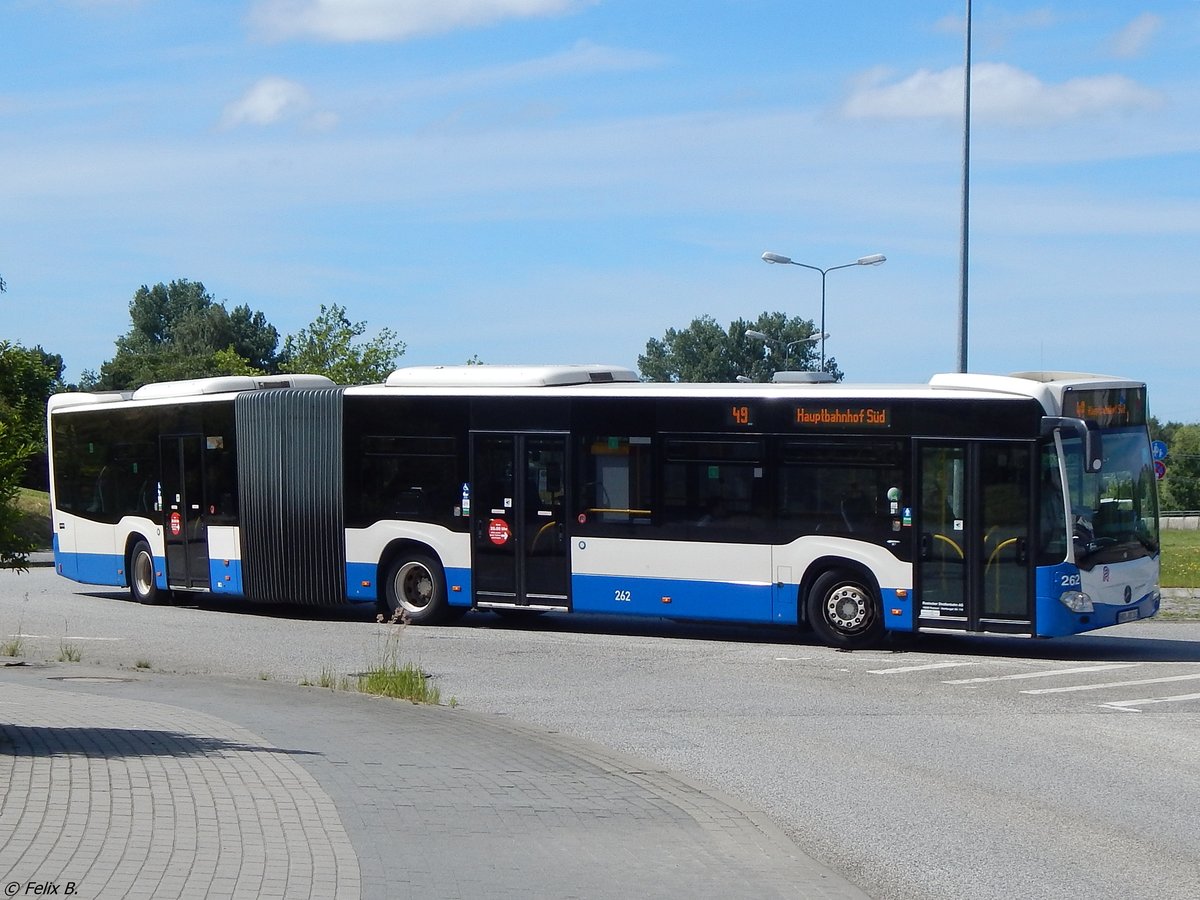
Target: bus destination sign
(1107, 407)
(834, 417)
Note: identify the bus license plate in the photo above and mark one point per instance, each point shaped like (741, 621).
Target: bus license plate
(1127, 616)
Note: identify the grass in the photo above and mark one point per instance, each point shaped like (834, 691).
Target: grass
(391, 678)
(388, 677)
(34, 523)
(69, 653)
(402, 682)
(13, 647)
(333, 681)
(1180, 558)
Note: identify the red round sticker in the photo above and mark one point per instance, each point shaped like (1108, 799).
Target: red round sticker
(498, 531)
(176, 522)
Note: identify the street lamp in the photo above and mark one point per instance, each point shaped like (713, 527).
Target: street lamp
(875, 259)
(787, 348)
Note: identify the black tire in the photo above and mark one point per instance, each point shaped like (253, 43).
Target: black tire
(415, 590)
(143, 586)
(844, 611)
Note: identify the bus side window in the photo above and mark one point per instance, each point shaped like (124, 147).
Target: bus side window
(616, 480)
(842, 488)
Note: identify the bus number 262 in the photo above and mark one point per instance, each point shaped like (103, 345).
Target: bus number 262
(622, 596)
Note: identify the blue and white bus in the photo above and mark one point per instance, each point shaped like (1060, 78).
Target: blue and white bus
(1021, 504)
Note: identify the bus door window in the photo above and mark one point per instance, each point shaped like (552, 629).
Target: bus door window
(518, 495)
(1005, 476)
(186, 532)
(544, 496)
(941, 520)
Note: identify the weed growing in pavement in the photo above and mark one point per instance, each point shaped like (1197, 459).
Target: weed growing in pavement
(388, 677)
(69, 653)
(15, 645)
(143, 664)
(330, 679)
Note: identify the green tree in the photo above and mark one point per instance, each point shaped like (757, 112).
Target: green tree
(328, 346)
(1180, 489)
(706, 352)
(14, 546)
(27, 378)
(178, 331)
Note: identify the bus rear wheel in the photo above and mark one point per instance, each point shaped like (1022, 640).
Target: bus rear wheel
(415, 590)
(143, 586)
(845, 612)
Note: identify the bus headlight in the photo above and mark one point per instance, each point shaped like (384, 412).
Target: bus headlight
(1076, 601)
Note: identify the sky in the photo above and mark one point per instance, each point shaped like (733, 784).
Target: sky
(549, 181)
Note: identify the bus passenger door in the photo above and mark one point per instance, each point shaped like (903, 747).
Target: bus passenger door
(974, 519)
(518, 544)
(183, 511)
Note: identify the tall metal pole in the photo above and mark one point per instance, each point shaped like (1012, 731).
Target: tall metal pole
(824, 272)
(966, 185)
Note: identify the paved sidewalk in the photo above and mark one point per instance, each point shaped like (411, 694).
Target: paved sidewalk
(130, 784)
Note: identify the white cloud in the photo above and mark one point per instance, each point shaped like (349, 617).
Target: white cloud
(999, 92)
(391, 20)
(269, 101)
(1133, 39)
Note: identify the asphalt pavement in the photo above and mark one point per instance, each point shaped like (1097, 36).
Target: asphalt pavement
(120, 784)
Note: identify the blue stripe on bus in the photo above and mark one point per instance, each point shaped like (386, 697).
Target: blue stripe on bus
(674, 598)
(711, 601)
(92, 568)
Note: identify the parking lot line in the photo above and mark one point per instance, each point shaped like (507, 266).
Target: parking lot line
(902, 669)
(1130, 705)
(1041, 674)
(1113, 684)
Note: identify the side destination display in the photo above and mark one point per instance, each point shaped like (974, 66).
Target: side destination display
(827, 416)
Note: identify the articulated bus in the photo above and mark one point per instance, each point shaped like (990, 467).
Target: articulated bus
(1023, 504)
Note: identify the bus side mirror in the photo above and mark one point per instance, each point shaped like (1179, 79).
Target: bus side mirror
(1088, 433)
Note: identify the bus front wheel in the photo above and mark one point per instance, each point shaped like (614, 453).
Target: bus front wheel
(415, 590)
(844, 611)
(143, 586)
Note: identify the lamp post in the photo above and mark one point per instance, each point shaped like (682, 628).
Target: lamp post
(787, 348)
(875, 259)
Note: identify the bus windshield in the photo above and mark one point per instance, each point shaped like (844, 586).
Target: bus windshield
(1114, 512)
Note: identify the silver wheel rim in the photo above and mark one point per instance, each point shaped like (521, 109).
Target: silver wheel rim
(143, 574)
(848, 609)
(414, 587)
